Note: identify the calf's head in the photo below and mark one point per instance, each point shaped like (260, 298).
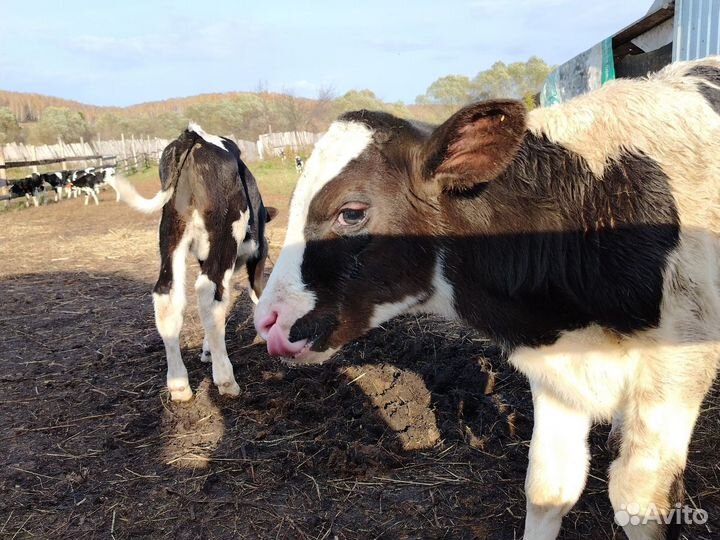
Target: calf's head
(367, 218)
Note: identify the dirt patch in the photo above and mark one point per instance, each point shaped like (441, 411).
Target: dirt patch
(430, 443)
(402, 400)
(192, 430)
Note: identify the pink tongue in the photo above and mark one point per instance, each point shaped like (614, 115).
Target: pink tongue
(278, 344)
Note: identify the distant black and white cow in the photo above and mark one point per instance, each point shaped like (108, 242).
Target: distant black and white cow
(57, 180)
(105, 174)
(583, 237)
(212, 208)
(29, 187)
(90, 181)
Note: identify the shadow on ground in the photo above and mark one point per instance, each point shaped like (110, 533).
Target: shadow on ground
(417, 431)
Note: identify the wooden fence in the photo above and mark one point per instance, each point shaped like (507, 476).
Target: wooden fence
(129, 155)
(132, 153)
(272, 144)
(77, 155)
(138, 162)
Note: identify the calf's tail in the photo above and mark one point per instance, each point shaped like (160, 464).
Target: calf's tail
(127, 192)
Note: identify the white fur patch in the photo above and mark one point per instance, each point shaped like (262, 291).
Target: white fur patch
(342, 143)
(588, 369)
(199, 236)
(442, 301)
(247, 249)
(240, 229)
(212, 139)
(386, 311)
(664, 117)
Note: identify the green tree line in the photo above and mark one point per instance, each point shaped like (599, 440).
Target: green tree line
(247, 115)
(519, 80)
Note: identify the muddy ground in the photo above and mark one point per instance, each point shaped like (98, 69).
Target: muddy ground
(420, 430)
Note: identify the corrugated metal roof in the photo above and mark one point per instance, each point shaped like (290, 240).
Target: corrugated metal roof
(697, 29)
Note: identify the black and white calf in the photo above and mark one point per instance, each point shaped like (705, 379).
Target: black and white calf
(105, 174)
(583, 237)
(90, 181)
(29, 187)
(57, 181)
(211, 208)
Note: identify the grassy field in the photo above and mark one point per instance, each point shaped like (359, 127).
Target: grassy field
(275, 177)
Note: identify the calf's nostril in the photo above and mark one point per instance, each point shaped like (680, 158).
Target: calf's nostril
(267, 322)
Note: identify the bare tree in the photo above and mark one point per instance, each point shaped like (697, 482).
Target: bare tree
(291, 112)
(322, 111)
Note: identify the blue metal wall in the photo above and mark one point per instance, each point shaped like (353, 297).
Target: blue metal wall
(697, 29)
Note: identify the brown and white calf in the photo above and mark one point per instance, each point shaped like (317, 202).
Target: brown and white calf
(211, 208)
(582, 237)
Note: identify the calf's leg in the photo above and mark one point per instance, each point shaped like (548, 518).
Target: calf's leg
(256, 276)
(558, 464)
(646, 480)
(169, 303)
(213, 296)
(90, 192)
(205, 354)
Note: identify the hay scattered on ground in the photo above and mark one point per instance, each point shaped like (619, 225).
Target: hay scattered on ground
(417, 431)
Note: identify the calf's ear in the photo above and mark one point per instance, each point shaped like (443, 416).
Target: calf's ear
(270, 213)
(474, 145)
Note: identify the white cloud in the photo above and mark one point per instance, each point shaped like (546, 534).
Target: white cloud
(208, 42)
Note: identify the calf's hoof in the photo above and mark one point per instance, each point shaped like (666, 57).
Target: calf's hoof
(229, 389)
(180, 391)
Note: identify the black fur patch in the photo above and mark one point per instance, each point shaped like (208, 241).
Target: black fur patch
(386, 125)
(676, 495)
(172, 227)
(563, 249)
(712, 75)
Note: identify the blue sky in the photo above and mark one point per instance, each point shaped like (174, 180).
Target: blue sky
(119, 53)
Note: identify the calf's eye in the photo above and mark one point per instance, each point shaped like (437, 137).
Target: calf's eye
(352, 215)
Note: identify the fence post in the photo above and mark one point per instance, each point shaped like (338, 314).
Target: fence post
(4, 187)
(98, 150)
(82, 151)
(3, 174)
(61, 144)
(124, 149)
(134, 152)
(34, 155)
